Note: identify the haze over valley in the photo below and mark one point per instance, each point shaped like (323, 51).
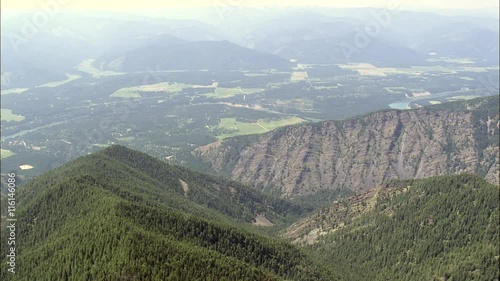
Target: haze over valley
(243, 141)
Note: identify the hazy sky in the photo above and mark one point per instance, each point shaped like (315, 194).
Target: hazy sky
(160, 4)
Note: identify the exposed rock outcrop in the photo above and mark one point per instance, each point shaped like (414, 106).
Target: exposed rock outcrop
(362, 152)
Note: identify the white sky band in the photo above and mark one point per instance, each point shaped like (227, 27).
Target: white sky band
(125, 5)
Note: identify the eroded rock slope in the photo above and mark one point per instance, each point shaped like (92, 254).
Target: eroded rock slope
(362, 152)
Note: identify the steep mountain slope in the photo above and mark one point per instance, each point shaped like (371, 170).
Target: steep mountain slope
(122, 215)
(441, 228)
(365, 151)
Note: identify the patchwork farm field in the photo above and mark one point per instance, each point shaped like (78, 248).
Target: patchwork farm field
(299, 76)
(224, 93)
(6, 153)
(14, 91)
(8, 115)
(70, 77)
(87, 66)
(367, 69)
(134, 92)
(236, 128)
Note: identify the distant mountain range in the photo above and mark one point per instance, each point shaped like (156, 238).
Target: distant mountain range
(311, 37)
(362, 152)
(242, 39)
(44, 58)
(171, 53)
(463, 40)
(407, 38)
(140, 45)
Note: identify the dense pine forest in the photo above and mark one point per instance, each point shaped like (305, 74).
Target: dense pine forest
(119, 214)
(122, 215)
(441, 228)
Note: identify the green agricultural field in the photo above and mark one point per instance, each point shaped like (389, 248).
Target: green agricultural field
(436, 68)
(325, 87)
(414, 70)
(87, 67)
(127, 93)
(134, 92)
(395, 90)
(255, 74)
(6, 153)
(298, 76)
(464, 97)
(281, 123)
(224, 93)
(300, 104)
(367, 69)
(166, 87)
(7, 115)
(237, 128)
(452, 60)
(70, 77)
(14, 91)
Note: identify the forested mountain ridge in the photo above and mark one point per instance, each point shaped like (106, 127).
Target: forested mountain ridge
(122, 215)
(137, 176)
(119, 214)
(361, 152)
(439, 228)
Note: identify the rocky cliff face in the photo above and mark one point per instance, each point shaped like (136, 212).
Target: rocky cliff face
(362, 152)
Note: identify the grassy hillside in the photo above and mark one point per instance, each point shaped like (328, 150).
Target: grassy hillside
(441, 228)
(121, 215)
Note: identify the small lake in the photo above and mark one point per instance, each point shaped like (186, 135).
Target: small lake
(399, 105)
